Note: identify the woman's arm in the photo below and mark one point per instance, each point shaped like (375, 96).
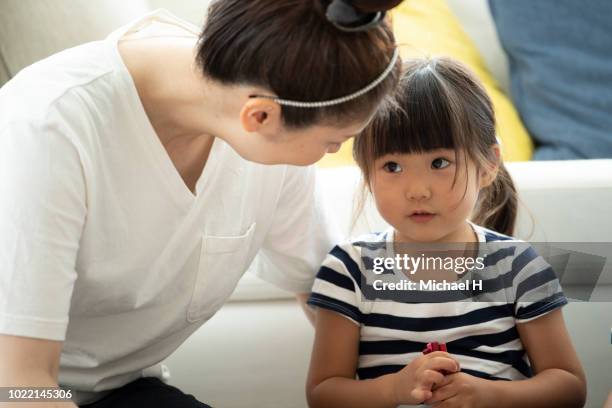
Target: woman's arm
(331, 378)
(559, 380)
(28, 362)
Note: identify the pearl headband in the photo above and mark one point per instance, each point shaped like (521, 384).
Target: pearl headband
(337, 101)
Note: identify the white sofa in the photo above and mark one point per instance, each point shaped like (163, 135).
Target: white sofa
(255, 351)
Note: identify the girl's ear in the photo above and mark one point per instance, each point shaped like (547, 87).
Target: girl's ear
(489, 171)
(260, 115)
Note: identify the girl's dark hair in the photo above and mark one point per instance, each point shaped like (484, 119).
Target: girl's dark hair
(290, 48)
(439, 104)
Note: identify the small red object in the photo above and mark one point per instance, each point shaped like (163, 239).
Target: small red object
(434, 346)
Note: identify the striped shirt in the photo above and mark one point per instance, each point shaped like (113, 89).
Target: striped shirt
(478, 325)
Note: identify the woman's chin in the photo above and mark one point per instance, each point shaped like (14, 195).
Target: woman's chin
(292, 161)
(334, 148)
(300, 160)
(273, 156)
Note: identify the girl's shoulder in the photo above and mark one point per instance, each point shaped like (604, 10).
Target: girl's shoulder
(376, 238)
(502, 247)
(362, 244)
(488, 235)
(371, 241)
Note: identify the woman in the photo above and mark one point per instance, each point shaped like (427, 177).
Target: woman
(136, 190)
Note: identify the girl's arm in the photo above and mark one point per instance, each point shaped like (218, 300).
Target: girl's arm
(559, 380)
(302, 298)
(331, 378)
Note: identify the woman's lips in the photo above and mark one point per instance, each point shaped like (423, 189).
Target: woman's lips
(421, 217)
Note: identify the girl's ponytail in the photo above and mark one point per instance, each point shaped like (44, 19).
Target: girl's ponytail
(497, 205)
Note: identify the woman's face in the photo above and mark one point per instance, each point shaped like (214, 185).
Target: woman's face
(297, 147)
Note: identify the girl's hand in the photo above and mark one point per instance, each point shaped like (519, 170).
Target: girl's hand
(460, 390)
(413, 383)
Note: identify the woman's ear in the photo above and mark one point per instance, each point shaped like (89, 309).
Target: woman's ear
(260, 115)
(489, 171)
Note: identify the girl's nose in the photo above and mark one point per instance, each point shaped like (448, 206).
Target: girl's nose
(417, 192)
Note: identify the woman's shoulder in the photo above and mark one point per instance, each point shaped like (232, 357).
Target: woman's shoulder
(40, 87)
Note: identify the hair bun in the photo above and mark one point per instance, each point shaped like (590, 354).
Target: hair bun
(355, 15)
(372, 6)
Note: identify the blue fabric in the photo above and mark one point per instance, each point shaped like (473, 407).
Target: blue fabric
(560, 54)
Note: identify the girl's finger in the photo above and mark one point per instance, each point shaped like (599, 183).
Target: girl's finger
(442, 394)
(421, 394)
(430, 378)
(442, 363)
(452, 402)
(441, 354)
(447, 379)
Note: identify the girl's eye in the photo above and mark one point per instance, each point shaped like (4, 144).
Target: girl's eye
(392, 167)
(440, 163)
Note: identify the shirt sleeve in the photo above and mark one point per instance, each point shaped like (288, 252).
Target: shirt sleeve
(537, 290)
(42, 212)
(301, 233)
(337, 285)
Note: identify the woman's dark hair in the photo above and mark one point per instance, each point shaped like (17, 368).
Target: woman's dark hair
(439, 104)
(290, 48)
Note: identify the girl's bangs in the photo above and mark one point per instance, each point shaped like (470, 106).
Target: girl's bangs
(420, 118)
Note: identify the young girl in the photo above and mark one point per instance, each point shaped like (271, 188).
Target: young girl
(431, 160)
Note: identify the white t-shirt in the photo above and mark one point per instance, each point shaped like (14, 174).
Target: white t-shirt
(103, 246)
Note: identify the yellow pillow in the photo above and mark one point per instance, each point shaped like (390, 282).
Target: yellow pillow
(429, 28)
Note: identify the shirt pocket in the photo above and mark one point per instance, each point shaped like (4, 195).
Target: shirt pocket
(223, 261)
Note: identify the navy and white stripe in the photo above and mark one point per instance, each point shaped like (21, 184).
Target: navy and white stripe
(481, 334)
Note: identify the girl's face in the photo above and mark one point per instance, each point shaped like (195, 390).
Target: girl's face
(416, 195)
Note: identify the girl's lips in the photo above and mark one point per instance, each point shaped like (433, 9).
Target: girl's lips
(421, 218)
